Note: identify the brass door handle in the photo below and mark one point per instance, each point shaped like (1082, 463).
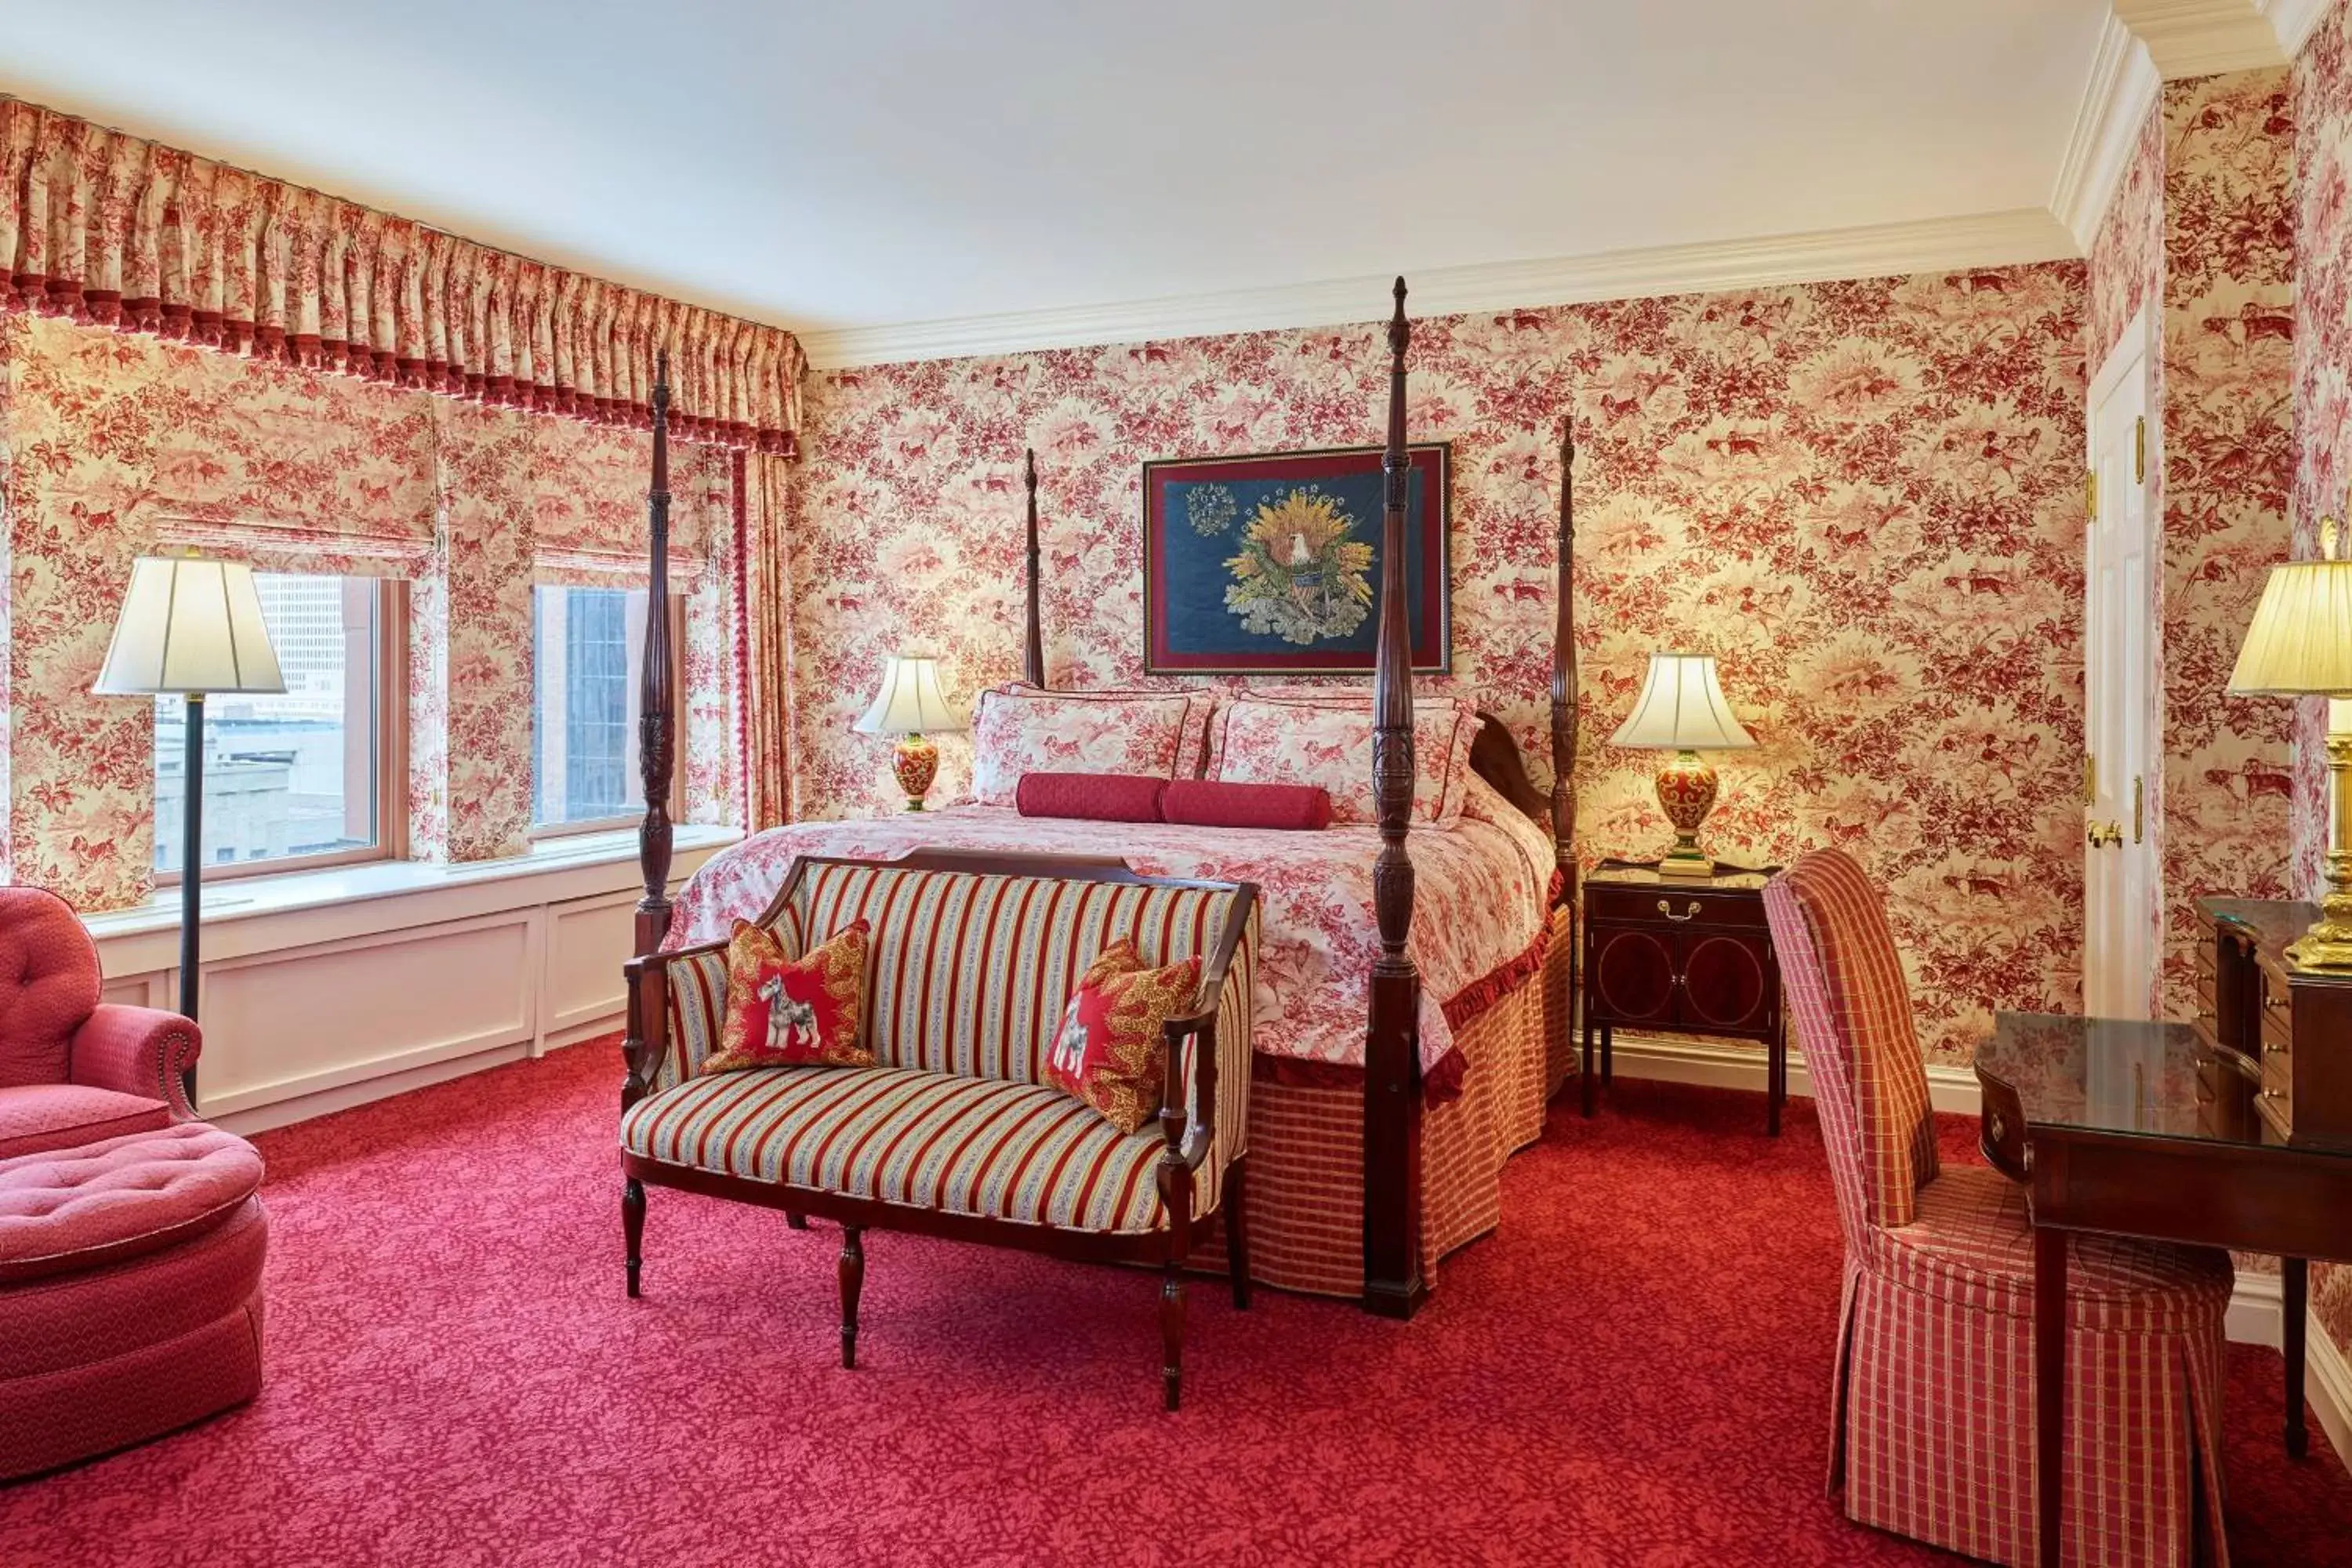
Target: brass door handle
(2105, 835)
(1667, 910)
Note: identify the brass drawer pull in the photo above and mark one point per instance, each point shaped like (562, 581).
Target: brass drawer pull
(2205, 1014)
(2273, 1094)
(2272, 1048)
(2270, 1001)
(1997, 1127)
(1667, 910)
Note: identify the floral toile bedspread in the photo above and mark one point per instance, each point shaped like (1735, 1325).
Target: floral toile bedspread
(1479, 901)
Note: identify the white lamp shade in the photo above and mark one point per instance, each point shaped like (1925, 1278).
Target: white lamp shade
(189, 625)
(2300, 643)
(911, 702)
(1681, 708)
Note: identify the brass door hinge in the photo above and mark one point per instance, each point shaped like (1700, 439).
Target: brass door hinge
(2090, 780)
(2139, 450)
(2139, 807)
(2091, 495)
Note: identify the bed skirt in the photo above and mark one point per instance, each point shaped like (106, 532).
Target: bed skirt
(1307, 1142)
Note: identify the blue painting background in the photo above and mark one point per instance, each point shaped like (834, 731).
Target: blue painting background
(1193, 589)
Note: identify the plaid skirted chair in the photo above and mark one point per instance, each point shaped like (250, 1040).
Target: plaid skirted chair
(1933, 1405)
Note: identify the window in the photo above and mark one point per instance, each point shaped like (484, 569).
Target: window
(298, 776)
(589, 644)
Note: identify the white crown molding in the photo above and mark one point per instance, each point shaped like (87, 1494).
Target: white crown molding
(2295, 21)
(2118, 98)
(2202, 38)
(1935, 245)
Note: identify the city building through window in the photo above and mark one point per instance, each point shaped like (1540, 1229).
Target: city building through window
(588, 643)
(287, 775)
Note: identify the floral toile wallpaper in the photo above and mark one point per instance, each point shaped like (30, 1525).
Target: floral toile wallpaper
(2323, 437)
(115, 442)
(1864, 497)
(2227, 462)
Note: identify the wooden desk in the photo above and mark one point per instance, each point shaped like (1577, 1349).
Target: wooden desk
(1689, 954)
(2141, 1129)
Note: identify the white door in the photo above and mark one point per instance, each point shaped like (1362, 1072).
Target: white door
(2121, 933)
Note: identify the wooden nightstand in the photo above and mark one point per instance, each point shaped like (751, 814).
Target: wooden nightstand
(1688, 954)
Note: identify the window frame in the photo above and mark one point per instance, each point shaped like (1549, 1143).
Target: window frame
(542, 831)
(391, 653)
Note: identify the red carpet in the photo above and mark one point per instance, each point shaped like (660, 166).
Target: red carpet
(1634, 1371)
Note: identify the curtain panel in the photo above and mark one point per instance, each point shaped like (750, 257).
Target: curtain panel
(105, 228)
(763, 652)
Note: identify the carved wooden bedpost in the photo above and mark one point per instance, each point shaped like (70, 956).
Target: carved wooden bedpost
(1563, 707)
(1393, 1286)
(1033, 647)
(657, 715)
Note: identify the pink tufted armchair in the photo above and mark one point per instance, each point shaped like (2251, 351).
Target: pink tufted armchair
(73, 1069)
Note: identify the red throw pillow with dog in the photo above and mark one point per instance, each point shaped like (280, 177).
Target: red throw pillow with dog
(1111, 1050)
(793, 1012)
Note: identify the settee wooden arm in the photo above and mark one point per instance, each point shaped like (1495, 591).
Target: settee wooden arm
(1189, 1137)
(645, 1043)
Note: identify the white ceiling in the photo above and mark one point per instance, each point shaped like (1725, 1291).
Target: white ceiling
(849, 166)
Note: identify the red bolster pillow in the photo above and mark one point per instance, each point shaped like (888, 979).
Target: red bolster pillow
(1096, 797)
(1208, 803)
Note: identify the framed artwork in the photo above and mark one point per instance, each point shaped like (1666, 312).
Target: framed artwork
(1270, 564)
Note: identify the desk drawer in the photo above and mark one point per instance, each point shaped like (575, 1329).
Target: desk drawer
(1668, 905)
(2276, 1002)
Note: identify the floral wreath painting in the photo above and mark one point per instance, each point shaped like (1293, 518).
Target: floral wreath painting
(1271, 564)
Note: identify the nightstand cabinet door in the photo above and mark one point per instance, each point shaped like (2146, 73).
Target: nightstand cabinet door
(1727, 980)
(1633, 975)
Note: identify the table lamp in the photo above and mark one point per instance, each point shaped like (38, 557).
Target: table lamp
(190, 628)
(911, 705)
(1682, 710)
(2300, 645)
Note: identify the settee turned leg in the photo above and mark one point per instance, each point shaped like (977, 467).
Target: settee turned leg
(1172, 1335)
(852, 1279)
(632, 1227)
(1237, 1260)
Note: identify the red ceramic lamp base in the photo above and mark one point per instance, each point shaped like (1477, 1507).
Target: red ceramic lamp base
(1686, 794)
(915, 764)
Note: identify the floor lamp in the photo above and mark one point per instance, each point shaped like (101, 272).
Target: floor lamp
(190, 628)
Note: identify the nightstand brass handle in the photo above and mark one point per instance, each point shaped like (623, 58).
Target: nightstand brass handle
(1997, 1128)
(2272, 1048)
(2270, 1001)
(2273, 1094)
(1667, 910)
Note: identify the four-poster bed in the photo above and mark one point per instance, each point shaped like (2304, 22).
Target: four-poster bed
(1410, 1213)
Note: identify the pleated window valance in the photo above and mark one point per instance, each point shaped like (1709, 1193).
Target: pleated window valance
(109, 228)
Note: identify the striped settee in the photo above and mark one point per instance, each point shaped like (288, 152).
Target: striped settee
(952, 1132)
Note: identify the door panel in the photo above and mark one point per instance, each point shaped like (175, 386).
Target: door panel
(1723, 981)
(1633, 974)
(2121, 887)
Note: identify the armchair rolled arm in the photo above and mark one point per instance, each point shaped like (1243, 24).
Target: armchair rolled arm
(137, 1050)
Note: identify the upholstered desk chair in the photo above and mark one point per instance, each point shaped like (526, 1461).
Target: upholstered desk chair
(75, 1070)
(1933, 1405)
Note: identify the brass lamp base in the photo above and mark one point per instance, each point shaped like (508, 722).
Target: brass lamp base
(1685, 793)
(2328, 943)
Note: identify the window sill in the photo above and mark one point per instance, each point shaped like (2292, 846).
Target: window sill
(289, 892)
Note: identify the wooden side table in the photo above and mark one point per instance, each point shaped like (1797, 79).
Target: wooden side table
(1690, 954)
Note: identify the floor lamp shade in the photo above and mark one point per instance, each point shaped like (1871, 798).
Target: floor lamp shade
(190, 628)
(189, 625)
